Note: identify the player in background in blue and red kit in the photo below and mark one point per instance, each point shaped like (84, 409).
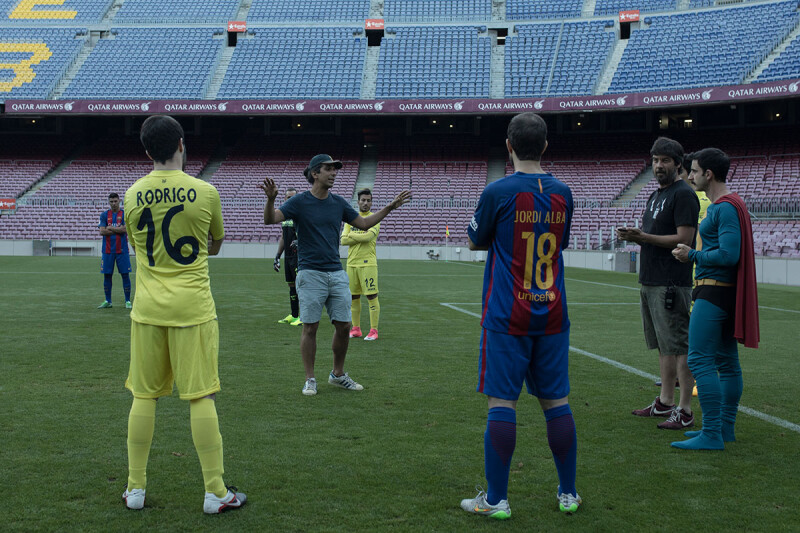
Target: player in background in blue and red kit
(115, 250)
(523, 220)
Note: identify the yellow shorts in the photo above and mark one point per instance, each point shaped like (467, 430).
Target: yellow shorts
(160, 355)
(363, 280)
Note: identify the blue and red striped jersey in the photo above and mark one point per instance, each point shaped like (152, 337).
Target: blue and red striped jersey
(524, 220)
(117, 243)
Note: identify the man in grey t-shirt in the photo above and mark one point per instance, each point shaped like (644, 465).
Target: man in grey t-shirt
(321, 280)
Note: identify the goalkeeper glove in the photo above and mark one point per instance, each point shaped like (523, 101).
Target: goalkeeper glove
(277, 264)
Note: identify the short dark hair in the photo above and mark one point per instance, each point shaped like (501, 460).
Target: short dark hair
(363, 191)
(113, 195)
(716, 161)
(160, 135)
(291, 189)
(527, 133)
(668, 147)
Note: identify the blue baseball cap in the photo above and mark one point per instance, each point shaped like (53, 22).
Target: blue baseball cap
(321, 159)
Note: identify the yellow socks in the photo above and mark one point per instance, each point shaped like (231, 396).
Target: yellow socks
(374, 312)
(141, 423)
(208, 443)
(355, 310)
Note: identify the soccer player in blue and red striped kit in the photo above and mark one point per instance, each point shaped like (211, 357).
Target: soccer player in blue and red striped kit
(115, 250)
(523, 220)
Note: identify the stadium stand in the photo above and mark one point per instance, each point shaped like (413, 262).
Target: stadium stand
(49, 52)
(578, 49)
(437, 11)
(183, 11)
(434, 62)
(543, 9)
(143, 63)
(67, 206)
(734, 42)
(25, 159)
(580, 58)
(529, 59)
(44, 13)
(324, 62)
(272, 11)
(786, 65)
(612, 7)
(701, 3)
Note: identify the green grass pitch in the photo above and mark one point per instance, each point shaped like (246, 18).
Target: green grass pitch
(398, 456)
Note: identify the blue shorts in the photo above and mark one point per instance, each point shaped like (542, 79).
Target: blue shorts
(123, 262)
(542, 362)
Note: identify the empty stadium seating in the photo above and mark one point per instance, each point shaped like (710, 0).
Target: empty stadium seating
(437, 11)
(324, 62)
(183, 11)
(148, 63)
(543, 9)
(734, 41)
(612, 7)
(557, 59)
(786, 65)
(434, 62)
(70, 11)
(272, 11)
(49, 52)
(25, 159)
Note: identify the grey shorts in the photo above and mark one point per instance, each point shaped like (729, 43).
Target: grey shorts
(667, 330)
(317, 289)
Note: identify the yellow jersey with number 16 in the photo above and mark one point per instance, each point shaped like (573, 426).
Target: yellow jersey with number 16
(169, 216)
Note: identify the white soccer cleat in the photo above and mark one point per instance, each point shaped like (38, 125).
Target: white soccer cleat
(134, 499)
(479, 505)
(232, 500)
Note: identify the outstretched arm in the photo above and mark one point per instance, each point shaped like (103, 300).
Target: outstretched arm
(364, 223)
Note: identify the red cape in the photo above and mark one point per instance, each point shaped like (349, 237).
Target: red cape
(746, 319)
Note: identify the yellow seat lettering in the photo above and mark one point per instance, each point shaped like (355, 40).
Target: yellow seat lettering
(23, 73)
(24, 10)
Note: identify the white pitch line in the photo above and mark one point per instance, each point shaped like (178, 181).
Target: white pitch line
(780, 422)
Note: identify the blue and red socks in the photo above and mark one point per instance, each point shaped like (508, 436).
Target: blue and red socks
(563, 441)
(499, 442)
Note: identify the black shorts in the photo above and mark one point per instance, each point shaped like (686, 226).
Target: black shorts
(290, 269)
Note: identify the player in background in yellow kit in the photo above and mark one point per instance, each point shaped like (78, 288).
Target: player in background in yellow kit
(686, 168)
(362, 269)
(174, 333)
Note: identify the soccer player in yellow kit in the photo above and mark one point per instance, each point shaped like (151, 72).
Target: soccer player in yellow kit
(362, 269)
(174, 333)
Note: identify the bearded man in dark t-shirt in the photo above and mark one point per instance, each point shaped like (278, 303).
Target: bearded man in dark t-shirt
(670, 218)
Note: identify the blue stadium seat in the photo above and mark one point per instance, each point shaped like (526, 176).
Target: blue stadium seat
(63, 45)
(543, 9)
(317, 63)
(437, 11)
(70, 12)
(434, 62)
(308, 11)
(734, 42)
(196, 11)
(143, 63)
